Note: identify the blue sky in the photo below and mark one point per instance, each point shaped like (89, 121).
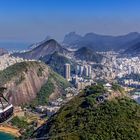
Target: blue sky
(33, 20)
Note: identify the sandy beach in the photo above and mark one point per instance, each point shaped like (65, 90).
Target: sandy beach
(10, 130)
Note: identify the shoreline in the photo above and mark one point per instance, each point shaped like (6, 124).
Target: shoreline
(10, 130)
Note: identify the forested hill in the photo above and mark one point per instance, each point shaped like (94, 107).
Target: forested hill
(84, 118)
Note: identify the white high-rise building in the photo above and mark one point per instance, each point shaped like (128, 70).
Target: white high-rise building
(81, 70)
(89, 71)
(77, 69)
(129, 70)
(67, 71)
(86, 70)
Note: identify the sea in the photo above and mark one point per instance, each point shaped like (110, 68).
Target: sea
(14, 46)
(6, 136)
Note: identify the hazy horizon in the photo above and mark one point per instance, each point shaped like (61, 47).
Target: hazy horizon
(31, 21)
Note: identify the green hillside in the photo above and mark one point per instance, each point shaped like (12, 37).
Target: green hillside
(88, 54)
(57, 61)
(48, 88)
(83, 118)
(16, 73)
(17, 70)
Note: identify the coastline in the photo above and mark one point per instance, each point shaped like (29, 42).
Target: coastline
(10, 130)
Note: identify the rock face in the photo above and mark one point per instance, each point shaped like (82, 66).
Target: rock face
(23, 87)
(31, 80)
(28, 89)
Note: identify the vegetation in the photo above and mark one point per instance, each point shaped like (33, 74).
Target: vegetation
(83, 118)
(56, 61)
(117, 87)
(43, 95)
(88, 54)
(20, 122)
(16, 70)
(27, 133)
(20, 79)
(62, 82)
(26, 128)
(2, 89)
(48, 88)
(40, 71)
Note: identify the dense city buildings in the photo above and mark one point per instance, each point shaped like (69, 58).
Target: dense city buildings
(112, 67)
(8, 60)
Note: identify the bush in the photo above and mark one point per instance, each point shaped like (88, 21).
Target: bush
(19, 122)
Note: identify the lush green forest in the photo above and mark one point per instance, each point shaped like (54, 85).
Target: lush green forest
(83, 118)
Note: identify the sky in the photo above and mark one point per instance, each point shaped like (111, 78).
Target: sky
(34, 20)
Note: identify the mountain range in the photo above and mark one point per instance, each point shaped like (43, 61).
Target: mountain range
(45, 48)
(55, 55)
(49, 47)
(133, 50)
(101, 42)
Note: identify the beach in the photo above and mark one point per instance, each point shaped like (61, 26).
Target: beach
(10, 130)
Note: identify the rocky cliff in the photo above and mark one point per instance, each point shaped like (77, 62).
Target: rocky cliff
(24, 80)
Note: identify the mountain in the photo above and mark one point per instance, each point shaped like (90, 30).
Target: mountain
(57, 61)
(46, 48)
(133, 50)
(87, 54)
(54, 55)
(86, 117)
(34, 45)
(26, 82)
(72, 37)
(49, 50)
(100, 42)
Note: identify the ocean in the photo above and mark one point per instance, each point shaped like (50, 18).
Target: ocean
(14, 46)
(5, 136)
